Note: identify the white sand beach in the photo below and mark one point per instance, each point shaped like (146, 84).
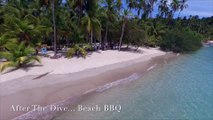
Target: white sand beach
(64, 65)
(56, 80)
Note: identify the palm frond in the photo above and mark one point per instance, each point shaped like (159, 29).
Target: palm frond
(7, 55)
(6, 65)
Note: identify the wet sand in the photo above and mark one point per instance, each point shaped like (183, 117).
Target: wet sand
(50, 89)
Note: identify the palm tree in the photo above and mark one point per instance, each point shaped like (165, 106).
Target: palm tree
(80, 6)
(25, 28)
(47, 3)
(156, 30)
(54, 26)
(124, 20)
(119, 4)
(183, 5)
(131, 4)
(101, 15)
(163, 8)
(142, 6)
(17, 55)
(110, 8)
(4, 40)
(151, 2)
(175, 6)
(91, 23)
(91, 19)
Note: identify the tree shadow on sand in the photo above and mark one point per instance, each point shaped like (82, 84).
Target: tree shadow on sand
(132, 50)
(42, 75)
(26, 67)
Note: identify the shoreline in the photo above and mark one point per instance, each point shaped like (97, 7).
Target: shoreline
(74, 65)
(49, 89)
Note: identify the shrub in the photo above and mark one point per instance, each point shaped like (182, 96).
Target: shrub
(17, 55)
(80, 50)
(70, 52)
(181, 41)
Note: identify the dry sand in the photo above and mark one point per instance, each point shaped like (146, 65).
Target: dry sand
(63, 78)
(64, 65)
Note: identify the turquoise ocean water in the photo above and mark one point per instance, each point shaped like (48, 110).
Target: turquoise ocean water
(180, 89)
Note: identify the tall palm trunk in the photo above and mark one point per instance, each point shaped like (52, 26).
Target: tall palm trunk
(106, 34)
(54, 28)
(122, 33)
(91, 37)
(100, 40)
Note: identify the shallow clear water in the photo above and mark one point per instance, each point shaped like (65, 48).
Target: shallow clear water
(180, 89)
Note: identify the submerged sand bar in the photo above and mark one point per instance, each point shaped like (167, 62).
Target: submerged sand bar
(61, 79)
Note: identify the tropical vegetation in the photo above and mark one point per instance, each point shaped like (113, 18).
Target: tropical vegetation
(86, 25)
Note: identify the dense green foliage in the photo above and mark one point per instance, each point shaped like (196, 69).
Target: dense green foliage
(203, 26)
(183, 40)
(102, 24)
(134, 35)
(17, 55)
(80, 50)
